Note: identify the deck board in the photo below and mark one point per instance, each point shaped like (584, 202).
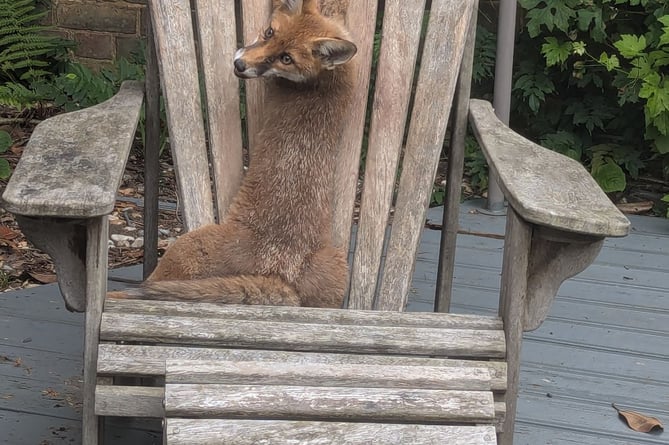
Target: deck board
(606, 340)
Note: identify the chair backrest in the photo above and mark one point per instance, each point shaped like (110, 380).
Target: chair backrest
(412, 97)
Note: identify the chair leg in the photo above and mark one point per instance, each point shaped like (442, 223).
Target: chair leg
(513, 294)
(96, 289)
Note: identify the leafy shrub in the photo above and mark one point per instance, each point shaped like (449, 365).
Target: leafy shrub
(5, 143)
(596, 88)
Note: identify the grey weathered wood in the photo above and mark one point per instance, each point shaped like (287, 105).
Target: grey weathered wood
(172, 24)
(304, 314)
(129, 401)
(145, 360)
(434, 93)
(303, 336)
(255, 15)
(361, 22)
(456, 160)
(403, 21)
(551, 263)
(543, 186)
(218, 40)
(65, 242)
(323, 374)
(513, 295)
(266, 432)
(73, 163)
(151, 153)
(317, 403)
(96, 289)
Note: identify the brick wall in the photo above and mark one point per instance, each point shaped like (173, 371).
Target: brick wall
(102, 29)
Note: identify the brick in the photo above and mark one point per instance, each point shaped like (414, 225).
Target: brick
(94, 46)
(126, 46)
(97, 17)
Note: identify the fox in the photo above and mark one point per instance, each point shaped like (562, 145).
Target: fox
(275, 245)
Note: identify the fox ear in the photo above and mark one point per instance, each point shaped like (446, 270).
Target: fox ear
(334, 52)
(290, 6)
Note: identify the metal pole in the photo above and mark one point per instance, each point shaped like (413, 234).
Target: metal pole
(506, 32)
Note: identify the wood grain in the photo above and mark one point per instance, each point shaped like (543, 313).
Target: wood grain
(142, 360)
(401, 25)
(324, 374)
(129, 401)
(266, 432)
(218, 42)
(175, 41)
(320, 403)
(361, 22)
(303, 336)
(543, 186)
(434, 96)
(304, 314)
(73, 163)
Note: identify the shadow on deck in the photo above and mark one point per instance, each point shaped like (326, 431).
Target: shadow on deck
(605, 341)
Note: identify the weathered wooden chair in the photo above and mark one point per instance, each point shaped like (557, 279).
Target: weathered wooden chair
(293, 375)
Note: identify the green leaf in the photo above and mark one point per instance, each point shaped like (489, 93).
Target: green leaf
(556, 53)
(664, 38)
(610, 63)
(631, 46)
(5, 141)
(5, 170)
(578, 48)
(610, 177)
(661, 144)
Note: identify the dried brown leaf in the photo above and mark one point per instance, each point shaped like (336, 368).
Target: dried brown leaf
(635, 207)
(7, 233)
(44, 278)
(639, 422)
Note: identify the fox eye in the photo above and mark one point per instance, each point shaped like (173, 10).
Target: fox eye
(269, 32)
(286, 59)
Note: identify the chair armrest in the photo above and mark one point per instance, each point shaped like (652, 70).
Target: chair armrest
(74, 162)
(544, 187)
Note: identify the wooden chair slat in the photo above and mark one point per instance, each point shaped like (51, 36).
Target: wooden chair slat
(254, 18)
(403, 21)
(361, 22)
(278, 432)
(324, 374)
(144, 360)
(175, 43)
(304, 315)
(303, 336)
(436, 86)
(331, 403)
(129, 401)
(218, 40)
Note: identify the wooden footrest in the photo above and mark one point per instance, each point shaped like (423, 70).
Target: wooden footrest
(256, 432)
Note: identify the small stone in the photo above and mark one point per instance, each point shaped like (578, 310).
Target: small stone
(130, 229)
(139, 242)
(164, 232)
(118, 238)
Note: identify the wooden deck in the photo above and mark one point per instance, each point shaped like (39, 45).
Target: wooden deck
(606, 341)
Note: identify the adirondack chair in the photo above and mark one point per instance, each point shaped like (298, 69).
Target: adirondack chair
(243, 374)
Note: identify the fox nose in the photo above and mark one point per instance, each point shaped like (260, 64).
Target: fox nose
(240, 66)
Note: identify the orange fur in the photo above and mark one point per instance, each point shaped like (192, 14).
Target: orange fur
(275, 245)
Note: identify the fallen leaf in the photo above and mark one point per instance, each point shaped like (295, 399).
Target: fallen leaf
(44, 278)
(639, 422)
(635, 207)
(7, 233)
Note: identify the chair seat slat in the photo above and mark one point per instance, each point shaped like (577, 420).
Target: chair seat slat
(304, 315)
(303, 336)
(255, 432)
(331, 403)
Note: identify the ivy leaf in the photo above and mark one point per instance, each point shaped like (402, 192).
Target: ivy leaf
(556, 14)
(610, 63)
(556, 53)
(610, 176)
(631, 46)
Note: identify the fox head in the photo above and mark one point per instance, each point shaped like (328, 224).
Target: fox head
(298, 44)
